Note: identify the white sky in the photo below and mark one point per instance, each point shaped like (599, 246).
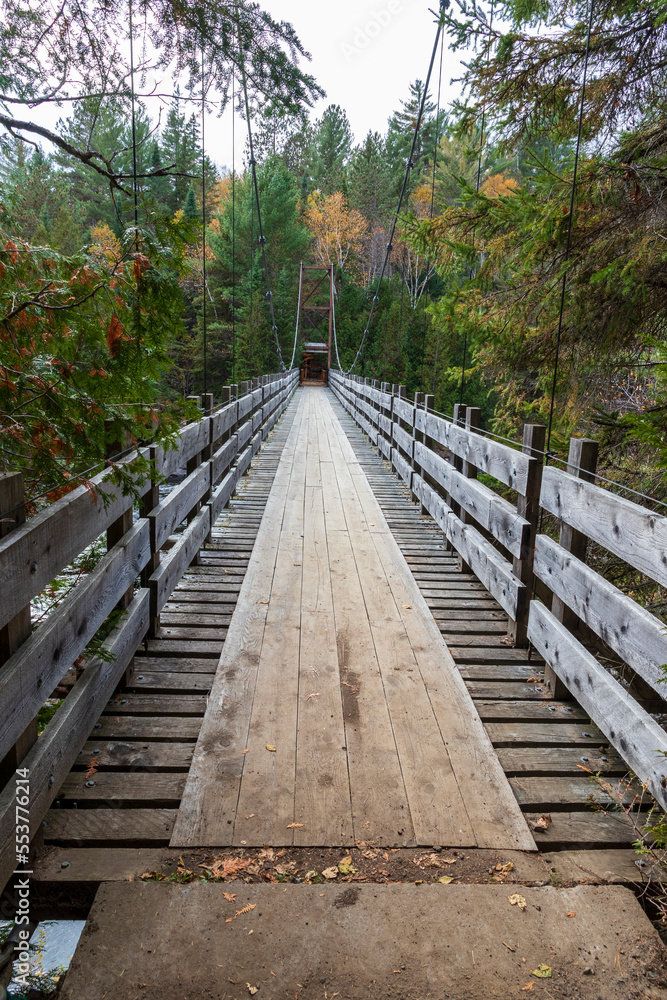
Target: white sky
(365, 53)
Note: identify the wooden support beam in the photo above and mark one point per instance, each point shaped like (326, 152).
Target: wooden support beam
(120, 527)
(528, 507)
(582, 462)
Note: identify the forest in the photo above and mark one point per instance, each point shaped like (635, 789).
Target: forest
(131, 269)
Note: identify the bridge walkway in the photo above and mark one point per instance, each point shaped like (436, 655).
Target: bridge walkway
(123, 802)
(337, 713)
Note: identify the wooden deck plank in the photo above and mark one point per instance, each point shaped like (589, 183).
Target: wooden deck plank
(491, 806)
(322, 783)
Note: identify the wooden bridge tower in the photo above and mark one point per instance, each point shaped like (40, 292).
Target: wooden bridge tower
(315, 318)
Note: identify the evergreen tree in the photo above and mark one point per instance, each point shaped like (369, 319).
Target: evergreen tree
(370, 181)
(190, 210)
(330, 150)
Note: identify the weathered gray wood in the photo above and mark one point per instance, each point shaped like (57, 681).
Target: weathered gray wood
(528, 507)
(222, 494)
(58, 746)
(223, 458)
(160, 790)
(489, 566)
(177, 560)
(29, 677)
(636, 535)
(404, 410)
(492, 512)
(403, 467)
(33, 554)
(496, 459)
(18, 628)
(109, 826)
(175, 507)
(635, 634)
(222, 420)
(244, 433)
(192, 440)
(631, 730)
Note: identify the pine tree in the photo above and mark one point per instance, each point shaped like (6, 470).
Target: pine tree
(330, 150)
(190, 209)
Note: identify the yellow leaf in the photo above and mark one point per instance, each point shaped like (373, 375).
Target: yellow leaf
(542, 971)
(270, 746)
(446, 879)
(516, 899)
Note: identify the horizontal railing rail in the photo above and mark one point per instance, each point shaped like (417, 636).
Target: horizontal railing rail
(143, 564)
(567, 611)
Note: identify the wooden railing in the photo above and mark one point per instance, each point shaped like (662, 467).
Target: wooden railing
(576, 617)
(143, 564)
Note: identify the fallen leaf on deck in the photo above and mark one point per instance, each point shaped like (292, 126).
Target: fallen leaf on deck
(516, 899)
(251, 989)
(509, 867)
(270, 746)
(229, 920)
(572, 913)
(247, 750)
(263, 602)
(297, 564)
(345, 866)
(540, 824)
(446, 879)
(249, 815)
(231, 896)
(542, 971)
(330, 872)
(246, 909)
(528, 986)
(406, 606)
(294, 826)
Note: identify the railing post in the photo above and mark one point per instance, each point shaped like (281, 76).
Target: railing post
(528, 507)
(582, 462)
(16, 631)
(429, 401)
(123, 524)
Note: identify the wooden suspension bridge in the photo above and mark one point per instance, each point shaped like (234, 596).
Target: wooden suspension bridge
(342, 630)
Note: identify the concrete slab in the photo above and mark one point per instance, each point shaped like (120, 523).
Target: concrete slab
(158, 941)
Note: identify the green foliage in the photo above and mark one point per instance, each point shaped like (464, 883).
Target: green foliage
(82, 348)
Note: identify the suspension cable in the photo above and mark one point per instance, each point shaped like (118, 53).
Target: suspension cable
(298, 311)
(134, 137)
(435, 160)
(262, 238)
(569, 227)
(333, 317)
(203, 209)
(233, 228)
(477, 184)
(408, 167)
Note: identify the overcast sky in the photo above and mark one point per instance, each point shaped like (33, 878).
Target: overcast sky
(365, 54)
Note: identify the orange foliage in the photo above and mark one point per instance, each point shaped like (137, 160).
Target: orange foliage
(499, 186)
(338, 231)
(105, 245)
(114, 335)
